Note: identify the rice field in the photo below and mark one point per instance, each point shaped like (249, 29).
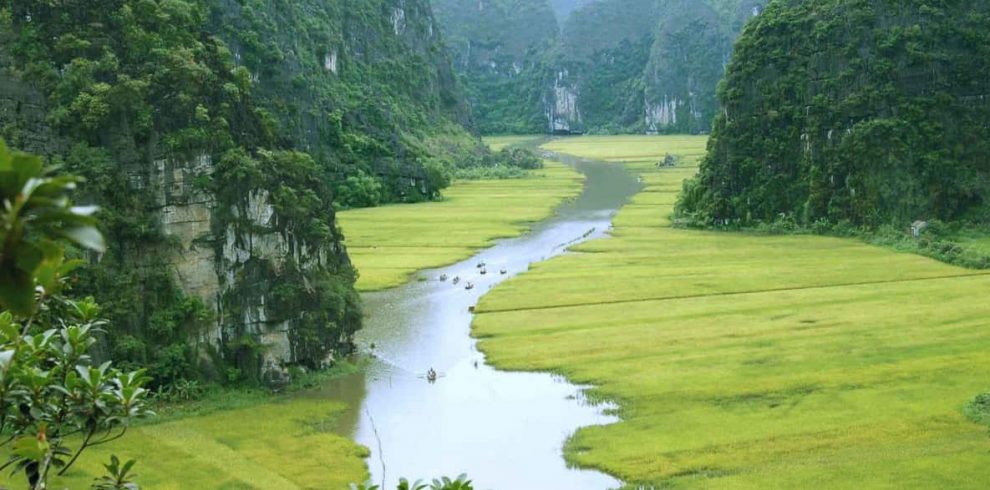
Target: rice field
(388, 244)
(285, 445)
(743, 361)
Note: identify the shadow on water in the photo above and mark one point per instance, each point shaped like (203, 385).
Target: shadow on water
(504, 429)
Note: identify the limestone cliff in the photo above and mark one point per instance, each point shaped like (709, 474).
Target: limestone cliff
(692, 44)
(359, 85)
(616, 65)
(224, 259)
(504, 50)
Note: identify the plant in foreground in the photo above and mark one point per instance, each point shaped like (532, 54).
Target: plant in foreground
(445, 483)
(55, 403)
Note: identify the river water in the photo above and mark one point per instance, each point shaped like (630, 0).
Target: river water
(505, 430)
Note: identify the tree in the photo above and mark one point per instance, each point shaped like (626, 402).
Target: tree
(54, 401)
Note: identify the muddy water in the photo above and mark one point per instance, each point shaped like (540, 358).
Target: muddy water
(505, 430)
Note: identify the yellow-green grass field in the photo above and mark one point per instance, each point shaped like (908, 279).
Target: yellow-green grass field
(281, 445)
(744, 361)
(388, 244)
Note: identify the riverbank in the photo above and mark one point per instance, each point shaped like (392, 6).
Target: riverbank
(389, 244)
(232, 438)
(751, 361)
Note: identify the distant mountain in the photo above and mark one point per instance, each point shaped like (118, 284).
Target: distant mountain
(615, 66)
(502, 50)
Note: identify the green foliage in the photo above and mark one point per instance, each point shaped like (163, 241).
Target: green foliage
(444, 483)
(118, 477)
(50, 390)
(503, 53)
(136, 90)
(36, 214)
(358, 191)
(852, 110)
(978, 409)
(355, 90)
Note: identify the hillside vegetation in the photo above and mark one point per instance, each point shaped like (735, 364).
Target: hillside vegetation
(218, 136)
(747, 361)
(608, 66)
(857, 112)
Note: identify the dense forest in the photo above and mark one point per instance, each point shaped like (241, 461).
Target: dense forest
(862, 112)
(609, 66)
(218, 136)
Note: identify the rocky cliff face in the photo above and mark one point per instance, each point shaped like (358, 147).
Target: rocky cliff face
(504, 49)
(359, 85)
(691, 46)
(234, 258)
(563, 115)
(618, 65)
(224, 256)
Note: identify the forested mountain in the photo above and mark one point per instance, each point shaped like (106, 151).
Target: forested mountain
(861, 111)
(499, 47)
(615, 66)
(563, 8)
(216, 134)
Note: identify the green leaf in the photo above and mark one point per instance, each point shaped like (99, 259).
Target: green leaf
(31, 448)
(16, 291)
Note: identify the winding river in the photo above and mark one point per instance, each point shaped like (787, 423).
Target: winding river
(505, 430)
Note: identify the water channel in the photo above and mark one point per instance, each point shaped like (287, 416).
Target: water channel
(505, 430)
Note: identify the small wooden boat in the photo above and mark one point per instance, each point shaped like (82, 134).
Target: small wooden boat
(457, 280)
(484, 271)
(469, 286)
(443, 277)
(503, 271)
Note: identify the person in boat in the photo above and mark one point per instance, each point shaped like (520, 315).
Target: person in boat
(469, 285)
(457, 279)
(480, 265)
(503, 271)
(431, 375)
(484, 271)
(443, 277)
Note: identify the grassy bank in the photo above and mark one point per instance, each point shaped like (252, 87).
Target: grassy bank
(235, 439)
(389, 244)
(746, 361)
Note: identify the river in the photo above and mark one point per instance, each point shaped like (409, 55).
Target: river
(505, 430)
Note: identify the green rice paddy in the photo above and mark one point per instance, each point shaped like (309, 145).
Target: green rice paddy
(743, 361)
(388, 244)
(283, 445)
(735, 360)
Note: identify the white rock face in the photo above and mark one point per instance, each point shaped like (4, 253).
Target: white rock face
(330, 61)
(186, 212)
(187, 216)
(660, 115)
(398, 20)
(562, 111)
